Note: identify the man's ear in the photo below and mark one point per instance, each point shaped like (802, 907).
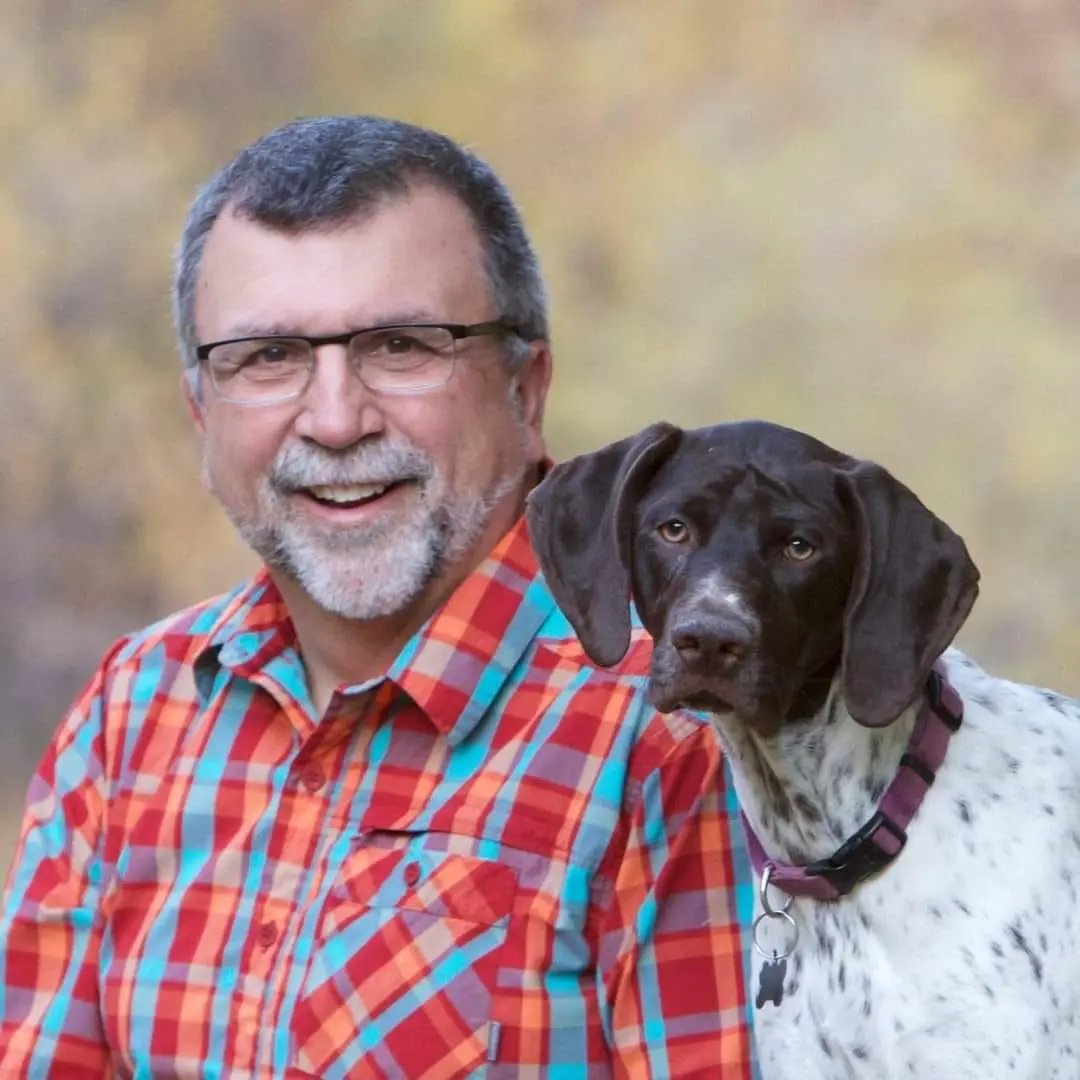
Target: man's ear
(530, 386)
(580, 519)
(191, 386)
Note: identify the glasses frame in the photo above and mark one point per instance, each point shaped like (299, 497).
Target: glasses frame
(457, 331)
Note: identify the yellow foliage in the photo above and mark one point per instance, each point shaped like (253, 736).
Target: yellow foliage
(857, 219)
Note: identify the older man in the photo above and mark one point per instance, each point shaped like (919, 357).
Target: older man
(372, 814)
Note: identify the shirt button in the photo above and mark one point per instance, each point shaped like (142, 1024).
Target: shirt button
(313, 778)
(268, 934)
(412, 873)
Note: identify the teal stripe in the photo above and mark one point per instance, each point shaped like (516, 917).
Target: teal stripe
(744, 898)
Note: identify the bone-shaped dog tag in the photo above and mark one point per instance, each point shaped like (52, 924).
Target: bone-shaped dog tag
(771, 986)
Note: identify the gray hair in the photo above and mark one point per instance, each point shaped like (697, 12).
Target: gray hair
(323, 171)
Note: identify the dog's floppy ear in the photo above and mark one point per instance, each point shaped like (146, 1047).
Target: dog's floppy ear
(913, 586)
(580, 517)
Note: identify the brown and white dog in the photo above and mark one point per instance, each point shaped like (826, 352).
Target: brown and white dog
(921, 816)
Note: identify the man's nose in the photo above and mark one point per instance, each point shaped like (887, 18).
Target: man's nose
(336, 409)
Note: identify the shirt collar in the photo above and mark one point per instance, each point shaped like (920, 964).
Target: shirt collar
(453, 667)
(252, 629)
(457, 663)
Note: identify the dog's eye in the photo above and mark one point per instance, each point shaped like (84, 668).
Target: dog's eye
(674, 531)
(798, 549)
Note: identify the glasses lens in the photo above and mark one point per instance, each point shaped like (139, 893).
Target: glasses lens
(267, 370)
(404, 358)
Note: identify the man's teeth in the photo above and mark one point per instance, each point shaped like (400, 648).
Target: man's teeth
(348, 493)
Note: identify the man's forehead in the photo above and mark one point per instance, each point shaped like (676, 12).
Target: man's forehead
(417, 259)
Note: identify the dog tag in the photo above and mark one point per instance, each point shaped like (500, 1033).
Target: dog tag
(771, 986)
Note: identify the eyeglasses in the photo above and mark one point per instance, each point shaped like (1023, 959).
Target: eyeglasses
(387, 359)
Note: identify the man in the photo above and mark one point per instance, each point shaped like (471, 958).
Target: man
(372, 814)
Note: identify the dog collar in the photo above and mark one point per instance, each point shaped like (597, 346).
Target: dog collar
(882, 838)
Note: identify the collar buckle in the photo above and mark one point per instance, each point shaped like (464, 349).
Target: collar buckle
(862, 855)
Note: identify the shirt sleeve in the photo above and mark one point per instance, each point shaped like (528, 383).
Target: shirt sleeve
(671, 951)
(50, 924)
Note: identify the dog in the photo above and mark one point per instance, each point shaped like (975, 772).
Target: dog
(914, 821)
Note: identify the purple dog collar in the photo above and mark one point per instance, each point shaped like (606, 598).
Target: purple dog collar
(882, 838)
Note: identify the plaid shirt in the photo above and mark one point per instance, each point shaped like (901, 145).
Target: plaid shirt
(496, 861)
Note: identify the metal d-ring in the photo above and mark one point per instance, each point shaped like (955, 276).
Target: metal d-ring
(783, 916)
(770, 912)
(763, 894)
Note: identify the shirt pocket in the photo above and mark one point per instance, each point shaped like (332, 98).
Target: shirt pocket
(406, 961)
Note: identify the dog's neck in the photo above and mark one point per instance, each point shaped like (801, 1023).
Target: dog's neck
(812, 785)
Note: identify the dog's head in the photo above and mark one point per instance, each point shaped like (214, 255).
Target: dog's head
(761, 563)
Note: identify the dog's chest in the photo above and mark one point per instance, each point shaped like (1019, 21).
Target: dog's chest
(859, 1004)
(961, 960)
(846, 1008)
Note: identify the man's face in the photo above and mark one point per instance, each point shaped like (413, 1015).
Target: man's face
(368, 501)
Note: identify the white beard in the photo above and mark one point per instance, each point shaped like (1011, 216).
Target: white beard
(376, 569)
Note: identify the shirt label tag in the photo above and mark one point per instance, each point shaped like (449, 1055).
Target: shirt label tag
(494, 1033)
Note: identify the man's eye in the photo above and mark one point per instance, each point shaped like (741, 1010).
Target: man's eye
(403, 346)
(269, 356)
(261, 361)
(674, 531)
(799, 549)
(399, 346)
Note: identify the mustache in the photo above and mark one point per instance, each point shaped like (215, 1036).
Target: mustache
(303, 465)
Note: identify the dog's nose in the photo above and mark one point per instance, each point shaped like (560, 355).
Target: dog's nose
(711, 644)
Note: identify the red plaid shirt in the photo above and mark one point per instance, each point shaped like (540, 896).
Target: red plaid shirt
(496, 860)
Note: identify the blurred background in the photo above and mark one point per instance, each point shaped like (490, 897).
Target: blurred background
(858, 218)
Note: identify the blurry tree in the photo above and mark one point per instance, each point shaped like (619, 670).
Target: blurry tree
(857, 218)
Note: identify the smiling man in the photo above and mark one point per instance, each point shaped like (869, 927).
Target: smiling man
(373, 479)
(373, 813)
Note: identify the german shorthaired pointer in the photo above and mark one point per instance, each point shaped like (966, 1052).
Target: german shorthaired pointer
(908, 924)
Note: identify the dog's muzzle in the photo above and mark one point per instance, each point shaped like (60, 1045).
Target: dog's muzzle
(705, 660)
